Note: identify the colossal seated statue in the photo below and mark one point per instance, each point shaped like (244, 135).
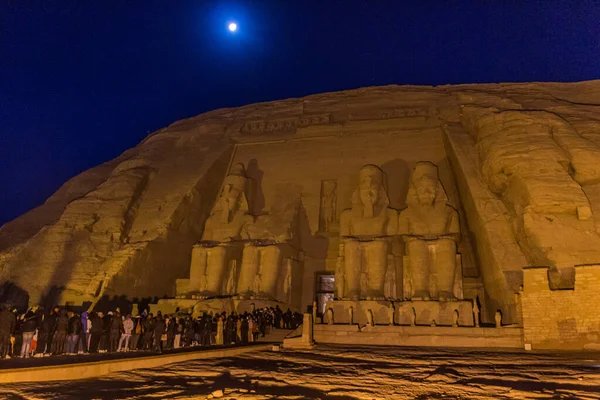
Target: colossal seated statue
(366, 232)
(213, 270)
(430, 228)
(270, 258)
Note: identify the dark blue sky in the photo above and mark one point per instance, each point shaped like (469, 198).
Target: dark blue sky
(82, 81)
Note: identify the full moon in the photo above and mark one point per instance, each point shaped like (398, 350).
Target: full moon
(232, 27)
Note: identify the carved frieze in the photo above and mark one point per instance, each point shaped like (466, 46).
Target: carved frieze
(407, 112)
(285, 124)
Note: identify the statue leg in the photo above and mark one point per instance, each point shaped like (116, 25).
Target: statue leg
(270, 267)
(198, 269)
(216, 269)
(352, 262)
(444, 264)
(418, 258)
(377, 257)
(249, 269)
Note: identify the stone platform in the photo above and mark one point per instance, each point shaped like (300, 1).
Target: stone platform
(425, 312)
(438, 336)
(214, 306)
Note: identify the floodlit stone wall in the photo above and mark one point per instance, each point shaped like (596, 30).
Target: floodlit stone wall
(563, 317)
(518, 162)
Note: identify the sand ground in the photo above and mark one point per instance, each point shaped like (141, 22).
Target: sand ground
(342, 372)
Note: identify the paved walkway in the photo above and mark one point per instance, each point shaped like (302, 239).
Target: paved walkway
(15, 363)
(275, 336)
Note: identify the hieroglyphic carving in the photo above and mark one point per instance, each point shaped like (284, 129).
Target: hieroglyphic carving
(407, 112)
(284, 124)
(328, 210)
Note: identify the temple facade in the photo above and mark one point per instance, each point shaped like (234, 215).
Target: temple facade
(403, 206)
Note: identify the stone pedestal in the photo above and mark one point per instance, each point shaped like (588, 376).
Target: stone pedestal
(380, 312)
(306, 341)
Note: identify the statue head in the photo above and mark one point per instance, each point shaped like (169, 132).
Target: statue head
(425, 186)
(233, 195)
(370, 195)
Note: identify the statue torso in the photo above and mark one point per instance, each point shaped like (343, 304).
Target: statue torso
(429, 221)
(218, 231)
(369, 226)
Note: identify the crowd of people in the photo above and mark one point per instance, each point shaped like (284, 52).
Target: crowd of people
(63, 331)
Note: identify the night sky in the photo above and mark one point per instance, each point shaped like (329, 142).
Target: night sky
(82, 81)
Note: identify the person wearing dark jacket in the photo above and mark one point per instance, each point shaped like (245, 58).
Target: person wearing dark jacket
(75, 328)
(95, 331)
(245, 329)
(8, 321)
(28, 328)
(159, 329)
(51, 325)
(116, 329)
(105, 338)
(148, 332)
(62, 327)
(171, 330)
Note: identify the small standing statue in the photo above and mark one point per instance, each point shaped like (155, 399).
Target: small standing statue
(413, 317)
(370, 322)
(498, 318)
(314, 312)
(329, 316)
(476, 313)
(351, 315)
(455, 319)
(391, 312)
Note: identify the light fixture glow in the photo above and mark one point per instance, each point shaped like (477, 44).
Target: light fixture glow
(232, 27)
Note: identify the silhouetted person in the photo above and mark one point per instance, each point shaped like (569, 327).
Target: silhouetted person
(159, 329)
(28, 328)
(171, 330)
(244, 329)
(8, 321)
(51, 323)
(95, 332)
(115, 331)
(62, 327)
(148, 333)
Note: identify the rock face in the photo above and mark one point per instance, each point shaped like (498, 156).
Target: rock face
(519, 162)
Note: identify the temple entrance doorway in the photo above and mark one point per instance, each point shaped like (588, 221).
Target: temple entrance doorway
(325, 284)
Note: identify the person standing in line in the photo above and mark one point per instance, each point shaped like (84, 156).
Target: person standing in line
(171, 331)
(159, 330)
(148, 333)
(74, 331)
(244, 327)
(51, 321)
(60, 337)
(28, 327)
(115, 331)
(96, 332)
(8, 323)
(126, 335)
(178, 333)
(84, 337)
(137, 331)
(105, 337)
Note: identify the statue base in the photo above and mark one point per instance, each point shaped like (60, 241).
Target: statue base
(410, 312)
(216, 305)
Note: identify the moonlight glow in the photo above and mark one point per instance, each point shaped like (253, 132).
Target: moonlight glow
(232, 27)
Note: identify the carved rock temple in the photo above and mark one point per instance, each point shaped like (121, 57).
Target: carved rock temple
(450, 215)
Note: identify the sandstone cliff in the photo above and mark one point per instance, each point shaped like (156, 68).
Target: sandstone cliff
(521, 162)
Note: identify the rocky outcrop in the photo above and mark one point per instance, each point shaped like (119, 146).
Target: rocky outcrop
(521, 163)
